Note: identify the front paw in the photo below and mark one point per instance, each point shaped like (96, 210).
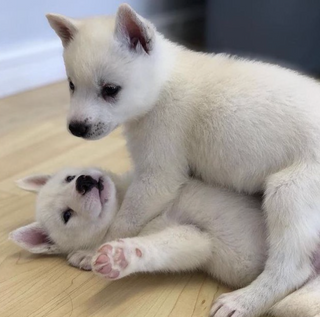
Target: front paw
(234, 304)
(117, 259)
(81, 259)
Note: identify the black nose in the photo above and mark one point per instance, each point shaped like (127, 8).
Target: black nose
(85, 183)
(78, 128)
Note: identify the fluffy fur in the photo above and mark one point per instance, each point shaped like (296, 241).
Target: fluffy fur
(244, 125)
(206, 228)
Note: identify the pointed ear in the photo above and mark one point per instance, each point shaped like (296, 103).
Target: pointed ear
(34, 239)
(65, 27)
(133, 29)
(33, 183)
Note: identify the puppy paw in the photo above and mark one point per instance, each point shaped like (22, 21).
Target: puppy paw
(81, 259)
(117, 259)
(233, 304)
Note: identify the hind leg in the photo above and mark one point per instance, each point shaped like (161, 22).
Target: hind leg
(292, 209)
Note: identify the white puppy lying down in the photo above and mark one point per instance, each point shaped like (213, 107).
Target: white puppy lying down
(207, 228)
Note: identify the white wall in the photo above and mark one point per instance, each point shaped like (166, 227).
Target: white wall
(30, 52)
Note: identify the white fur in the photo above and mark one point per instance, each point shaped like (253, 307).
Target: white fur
(245, 125)
(206, 228)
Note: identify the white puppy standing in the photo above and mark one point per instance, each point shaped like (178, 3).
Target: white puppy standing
(245, 125)
(207, 228)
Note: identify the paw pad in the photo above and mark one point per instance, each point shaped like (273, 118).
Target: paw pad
(113, 259)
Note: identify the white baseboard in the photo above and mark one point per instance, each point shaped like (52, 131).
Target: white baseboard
(30, 67)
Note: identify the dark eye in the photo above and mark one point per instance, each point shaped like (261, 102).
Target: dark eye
(71, 85)
(69, 178)
(66, 215)
(108, 91)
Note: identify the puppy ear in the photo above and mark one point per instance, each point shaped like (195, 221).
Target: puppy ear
(34, 239)
(65, 27)
(33, 183)
(134, 30)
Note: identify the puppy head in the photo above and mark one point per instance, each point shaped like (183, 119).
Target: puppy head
(113, 67)
(74, 209)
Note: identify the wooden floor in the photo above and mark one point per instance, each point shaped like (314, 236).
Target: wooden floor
(34, 139)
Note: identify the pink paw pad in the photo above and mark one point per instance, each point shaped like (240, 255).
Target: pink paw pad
(110, 261)
(105, 248)
(102, 259)
(105, 269)
(138, 252)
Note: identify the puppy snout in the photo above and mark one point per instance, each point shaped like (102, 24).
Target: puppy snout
(79, 129)
(85, 183)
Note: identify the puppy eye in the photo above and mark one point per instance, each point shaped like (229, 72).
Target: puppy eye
(71, 86)
(66, 215)
(108, 91)
(69, 179)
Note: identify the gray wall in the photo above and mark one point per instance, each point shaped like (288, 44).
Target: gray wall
(285, 32)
